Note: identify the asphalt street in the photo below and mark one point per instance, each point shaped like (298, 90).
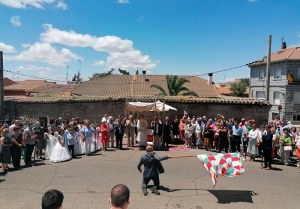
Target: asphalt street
(86, 183)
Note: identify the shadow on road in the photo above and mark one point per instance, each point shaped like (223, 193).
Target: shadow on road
(229, 196)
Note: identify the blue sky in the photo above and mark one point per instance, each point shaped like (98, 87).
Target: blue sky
(191, 37)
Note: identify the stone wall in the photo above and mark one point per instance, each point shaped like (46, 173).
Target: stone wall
(94, 111)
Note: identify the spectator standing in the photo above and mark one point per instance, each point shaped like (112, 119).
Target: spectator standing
(111, 135)
(119, 133)
(17, 144)
(5, 153)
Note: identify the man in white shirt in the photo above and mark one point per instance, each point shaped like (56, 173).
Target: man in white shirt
(11, 128)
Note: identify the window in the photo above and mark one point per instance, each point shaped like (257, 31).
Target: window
(260, 94)
(296, 97)
(298, 73)
(296, 117)
(261, 75)
(277, 74)
(276, 98)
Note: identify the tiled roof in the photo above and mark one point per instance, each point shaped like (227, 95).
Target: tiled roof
(132, 85)
(226, 89)
(203, 100)
(23, 86)
(53, 88)
(292, 53)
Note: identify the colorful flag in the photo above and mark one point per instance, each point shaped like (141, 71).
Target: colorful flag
(229, 165)
(290, 77)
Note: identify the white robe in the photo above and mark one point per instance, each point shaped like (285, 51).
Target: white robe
(142, 132)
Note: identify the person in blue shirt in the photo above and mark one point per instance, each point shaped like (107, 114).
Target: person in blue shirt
(235, 136)
(86, 134)
(267, 147)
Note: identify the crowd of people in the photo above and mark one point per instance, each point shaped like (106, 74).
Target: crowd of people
(62, 139)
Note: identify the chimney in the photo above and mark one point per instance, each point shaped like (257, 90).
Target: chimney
(283, 45)
(210, 78)
(144, 75)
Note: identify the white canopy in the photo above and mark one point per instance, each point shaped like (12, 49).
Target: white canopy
(157, 106)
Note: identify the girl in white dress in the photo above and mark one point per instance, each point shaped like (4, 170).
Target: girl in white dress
(60, 151)
(51, 141)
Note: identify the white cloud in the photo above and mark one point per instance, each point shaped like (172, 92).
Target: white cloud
(99, 63)
(24, 4)
(252, 1)
(123, 1)
(121, 52)
(61, 5)
(44, 52)
(15, 20)
(140, 18)
(7, 48)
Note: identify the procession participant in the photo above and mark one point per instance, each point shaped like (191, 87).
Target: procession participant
(104, 129)
(166, 132)
(267, 139)
(52, 199)
(15, 124)
(199, 132)
(29, 137)
(188, 134)
(86, 134)
(39, 131)
(193, 124)
(71, 138)
(152, 168)
(79, 145)
(5, 153)
(175, 127)
(142, 126)
(17, 144)
(119, 133)
(253, 140)
(157, 132)
(130, 129)
(119, 197)
(111, 133)
(60, 152)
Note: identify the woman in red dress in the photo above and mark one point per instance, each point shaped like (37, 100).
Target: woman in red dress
(104, 129)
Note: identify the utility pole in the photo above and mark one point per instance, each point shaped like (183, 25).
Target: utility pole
(1, 87)
(267, 95)
(67, 74)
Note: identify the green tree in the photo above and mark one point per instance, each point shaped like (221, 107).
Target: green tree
(124, 72)
(100, 75)
(238, 89)
(137, 72)
(175, 87)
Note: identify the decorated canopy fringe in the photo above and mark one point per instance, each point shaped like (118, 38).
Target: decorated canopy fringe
(157, 106)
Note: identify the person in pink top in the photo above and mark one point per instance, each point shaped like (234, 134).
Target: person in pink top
(104, 129)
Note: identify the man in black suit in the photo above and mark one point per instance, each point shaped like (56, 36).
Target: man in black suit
(119, 132)
(157, 132)
(152, 168)
(167, 132)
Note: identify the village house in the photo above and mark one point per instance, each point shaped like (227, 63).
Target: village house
(284, 83)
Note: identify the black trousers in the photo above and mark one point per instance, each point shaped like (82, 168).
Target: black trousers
(235, 143)
(154, 178)
(71, 149)
(16, 156)
(165, 141)
(223, 143)
(119, 139)
(267, 156)
(29, 151)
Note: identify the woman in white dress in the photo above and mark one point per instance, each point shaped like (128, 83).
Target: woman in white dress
(51, 141)
(60, 151)
(79, 144)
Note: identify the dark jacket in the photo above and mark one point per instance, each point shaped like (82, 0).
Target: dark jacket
(159, 129)
(119, 130)
(167, 128)
(267, 140)
(152, 165)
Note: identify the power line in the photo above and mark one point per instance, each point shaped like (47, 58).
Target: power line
(130, 83)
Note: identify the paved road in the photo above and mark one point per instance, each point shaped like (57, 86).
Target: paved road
(86, 183)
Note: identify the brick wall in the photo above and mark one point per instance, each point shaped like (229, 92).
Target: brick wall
(95, 111)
